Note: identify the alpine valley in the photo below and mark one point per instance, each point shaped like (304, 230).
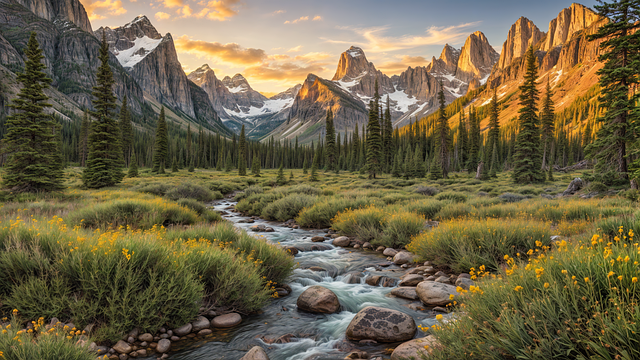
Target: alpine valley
(148, 72)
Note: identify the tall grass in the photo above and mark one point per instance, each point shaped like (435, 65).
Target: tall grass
(320, 214)
(121, 280)
(465, 244)
(578, 301)
(288, 207)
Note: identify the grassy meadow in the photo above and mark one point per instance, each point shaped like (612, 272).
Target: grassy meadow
(149, 253)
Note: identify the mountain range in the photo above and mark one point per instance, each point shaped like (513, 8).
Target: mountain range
(148, 72)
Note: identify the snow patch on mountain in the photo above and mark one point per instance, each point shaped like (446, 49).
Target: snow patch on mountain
(402, 100)
(237, 89)
(142, 46)
(270, 106)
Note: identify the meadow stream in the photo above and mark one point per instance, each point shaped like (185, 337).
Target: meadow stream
(317, 337)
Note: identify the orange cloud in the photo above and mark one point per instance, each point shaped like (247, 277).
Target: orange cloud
(162, 15)
(375, 41)
(317, 18)
(231, 53)
(396, 67)
(173, 3)
(105, 7)
(221, 10)
(295, 49)
(283, 72)
(300, 19)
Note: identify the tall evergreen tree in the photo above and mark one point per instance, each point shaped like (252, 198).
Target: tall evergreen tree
(387, 139)
(493, 135)
(474, 141)
(33, 137)
(374, 142)
(242, 155)
(547, 122)
(126, 131)
(443, 134)
(174, 165)
(619, 81)
(255, 166)
(133, 166)
(228, 163)
(463, 140)
(84, 138)
(104, 159)
(280, 178)
(189, 152)
(330, 142)
(527, 159)
(161, 145)
(314, 167)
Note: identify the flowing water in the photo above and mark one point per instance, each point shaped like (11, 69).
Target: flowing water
(318, 337)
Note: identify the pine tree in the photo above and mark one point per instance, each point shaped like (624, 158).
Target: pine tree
(174, 165)
(105, 152)
(191, 167)
(527, 159)
(550, 173)
(255, 166)
(161, 145)
(133, 166)
(387, 140)
(314, 168)
(435, 170)
(443, 134)
(189, 153)
(84, 138)
(493, 135)
(229, 163)
(618, 81)
(547, 121)
(463, 140)
(291, 176)
(474, 142)
(305, 167)
(126, 131)
(33, 137)
(374, 142)
(280, 179)
(395, 172)
(242, 155)
(330, 142)
(494, 162)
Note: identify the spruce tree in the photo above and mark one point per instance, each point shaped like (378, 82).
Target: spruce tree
(126, 131)
(280, 179)
(330, 142)
(395, 172)
(527, 159)
(104, 158)
(314, 168)
(493, 135)
(174, 165)
(305, 167)
(494, 162)
(33, 137)
(229, 163)
(442, 134)
(161, 145)
(189, 152)
(133, 166)
(547, 122)
(191, 167)
(242, 155)
(255, 166)
(474, 142)
(435, 170)
(84, 138)
(374, 142)
(463, 140)
(618, 81)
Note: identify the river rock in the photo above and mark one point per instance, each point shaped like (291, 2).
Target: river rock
(373, 280)
(256, 353)
(258, 228)
(205, 332)
(389, 252)
(146, 337)
(464, 283)
(403, 257)
(405, 292)
(163, 346)
(380, 248)
(443, 279)
(317, 239)
(183, 330)
(341, 241)
(411, 280)
(414, 349)
(318, 299)
(381, 325)
(200, 323)
(292, 250)
(122, 347)
(226, 321)
(367, 245)
(575, 185)
(435, 293)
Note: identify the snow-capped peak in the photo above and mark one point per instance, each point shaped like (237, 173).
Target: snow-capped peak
(141, 47)
(136, 20)
(355, 51)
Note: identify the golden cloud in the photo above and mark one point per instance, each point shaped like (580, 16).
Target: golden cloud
(106, 8)
(396, 67)
(317, 18)
(162, 15)
(375, 41)
(173, 3)
(221, 10)
(230, 53)
(295, 49)
(300, 19)
(283, 71)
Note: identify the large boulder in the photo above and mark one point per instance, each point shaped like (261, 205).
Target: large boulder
(435, 294)
(405, 292)
(389, 252)
(318, 299)
(414, 349)
(256, 353)
(183, 330)
(164, 345)
(341, 241)
(574, 186)
(411, 280)
(403, 257)
(200, 323)
(381, 325)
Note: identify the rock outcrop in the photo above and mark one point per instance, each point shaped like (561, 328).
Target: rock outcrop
(70, 10)
(523, 33)
(477, 57)
(570, 20)
(381, 325)
(245, 97)
(358, 75)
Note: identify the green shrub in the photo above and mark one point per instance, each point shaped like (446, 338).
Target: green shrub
(427, 190)
(193, 191)
(455, 211)
(251, 190)
(426, 208)
(201, 209)
(449, 195)
(511, 198)
(288, 207)
(224, 187)
(134, 213)
(463, 244)
(596, 186)
(320, 214)
(158, 189)
(399, 228)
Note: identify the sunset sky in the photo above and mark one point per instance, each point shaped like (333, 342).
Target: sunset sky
(276, 43)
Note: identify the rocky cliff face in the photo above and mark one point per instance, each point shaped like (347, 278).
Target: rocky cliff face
(447, 63)
(570, 20)
(217, 92)
(245, 97)
(70, 10)
(356, 74)
(523, 33)
(476, 58)
(152, 61)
